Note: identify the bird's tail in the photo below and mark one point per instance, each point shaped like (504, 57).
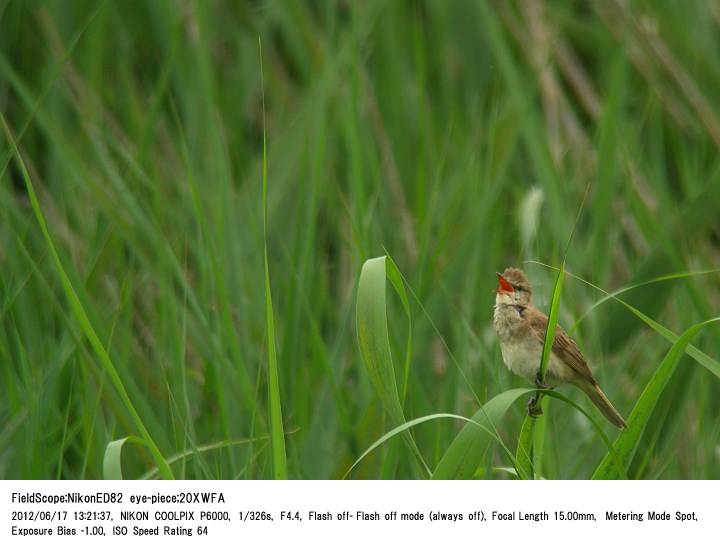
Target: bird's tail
(602, 403)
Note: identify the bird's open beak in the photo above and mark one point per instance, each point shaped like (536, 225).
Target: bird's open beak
(505, 286)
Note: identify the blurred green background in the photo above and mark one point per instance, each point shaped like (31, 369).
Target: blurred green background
(460, 136)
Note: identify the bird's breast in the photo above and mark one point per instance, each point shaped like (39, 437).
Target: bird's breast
(522, 356)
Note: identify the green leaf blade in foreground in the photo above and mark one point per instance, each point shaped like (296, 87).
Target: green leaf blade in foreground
(711, 364)
(112, 460)
(552, 322)
(708, 362)
(374, 339)
(465, 453)
(523, 454)
(417, 421)
(277, 432)
(394, 276)
(463, 456)
(628, 440)
(81, 314)
(198, 450)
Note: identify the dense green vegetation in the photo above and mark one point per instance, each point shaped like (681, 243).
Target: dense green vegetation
(458, 137)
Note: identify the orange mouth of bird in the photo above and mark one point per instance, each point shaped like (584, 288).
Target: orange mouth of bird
(505, 287)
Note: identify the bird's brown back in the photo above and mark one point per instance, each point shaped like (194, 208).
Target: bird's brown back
(564, 346)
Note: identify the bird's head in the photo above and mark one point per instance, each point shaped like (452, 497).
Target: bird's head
(514, 288)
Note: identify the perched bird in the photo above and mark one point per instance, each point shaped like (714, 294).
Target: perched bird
(521, 330)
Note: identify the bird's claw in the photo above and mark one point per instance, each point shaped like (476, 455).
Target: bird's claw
(539, 382)
(533, 407)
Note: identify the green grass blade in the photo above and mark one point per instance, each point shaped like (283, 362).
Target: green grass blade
(374, 339)
(552, 322)
(523, 453)
(276, 424)
(708, 362)
(619, 468)
(532, 130)
(467, 449)
(614, 294)
(540, 431)
(711, 364)
(629, 438)
(394, 276)
(206, 448)
(81, 315)
(277, 433)
(557, 290)
(465, 453)
(398, 284)
(112, 460)
(539, 439)
(417, 421)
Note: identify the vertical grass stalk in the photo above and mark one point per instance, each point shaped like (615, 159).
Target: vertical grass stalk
(277, 433)
(81, 315)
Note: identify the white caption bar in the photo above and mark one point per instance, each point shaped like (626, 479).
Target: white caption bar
(78, 514)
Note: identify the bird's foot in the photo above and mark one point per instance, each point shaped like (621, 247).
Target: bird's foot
(533, 407)
(539, 382)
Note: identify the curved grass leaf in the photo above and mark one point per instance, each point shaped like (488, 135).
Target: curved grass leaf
(614, 456)
(711, 364)
(400, 278)
(417, 421)
(277, 433)
(613, 295)
(112, 460)
(205, 448)
(394, 276)
(465, 453)
(508, 470)
(467, 449)
(531, 442)
(523, 454)
(82, 316)
(374, 339)
(627, 442)
(527, 457)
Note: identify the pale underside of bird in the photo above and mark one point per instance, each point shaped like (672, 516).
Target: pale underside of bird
(521, 331)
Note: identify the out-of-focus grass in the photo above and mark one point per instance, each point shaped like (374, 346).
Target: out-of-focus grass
(417, 127)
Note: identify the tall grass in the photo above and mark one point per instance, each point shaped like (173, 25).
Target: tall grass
(277, 432)
(420, 128)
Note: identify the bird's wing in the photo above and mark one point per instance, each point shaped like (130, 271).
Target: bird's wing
(564, 346)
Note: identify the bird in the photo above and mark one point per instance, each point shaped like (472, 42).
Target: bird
(520, 328)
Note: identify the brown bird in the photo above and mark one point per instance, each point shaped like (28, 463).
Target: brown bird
(521, 330)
